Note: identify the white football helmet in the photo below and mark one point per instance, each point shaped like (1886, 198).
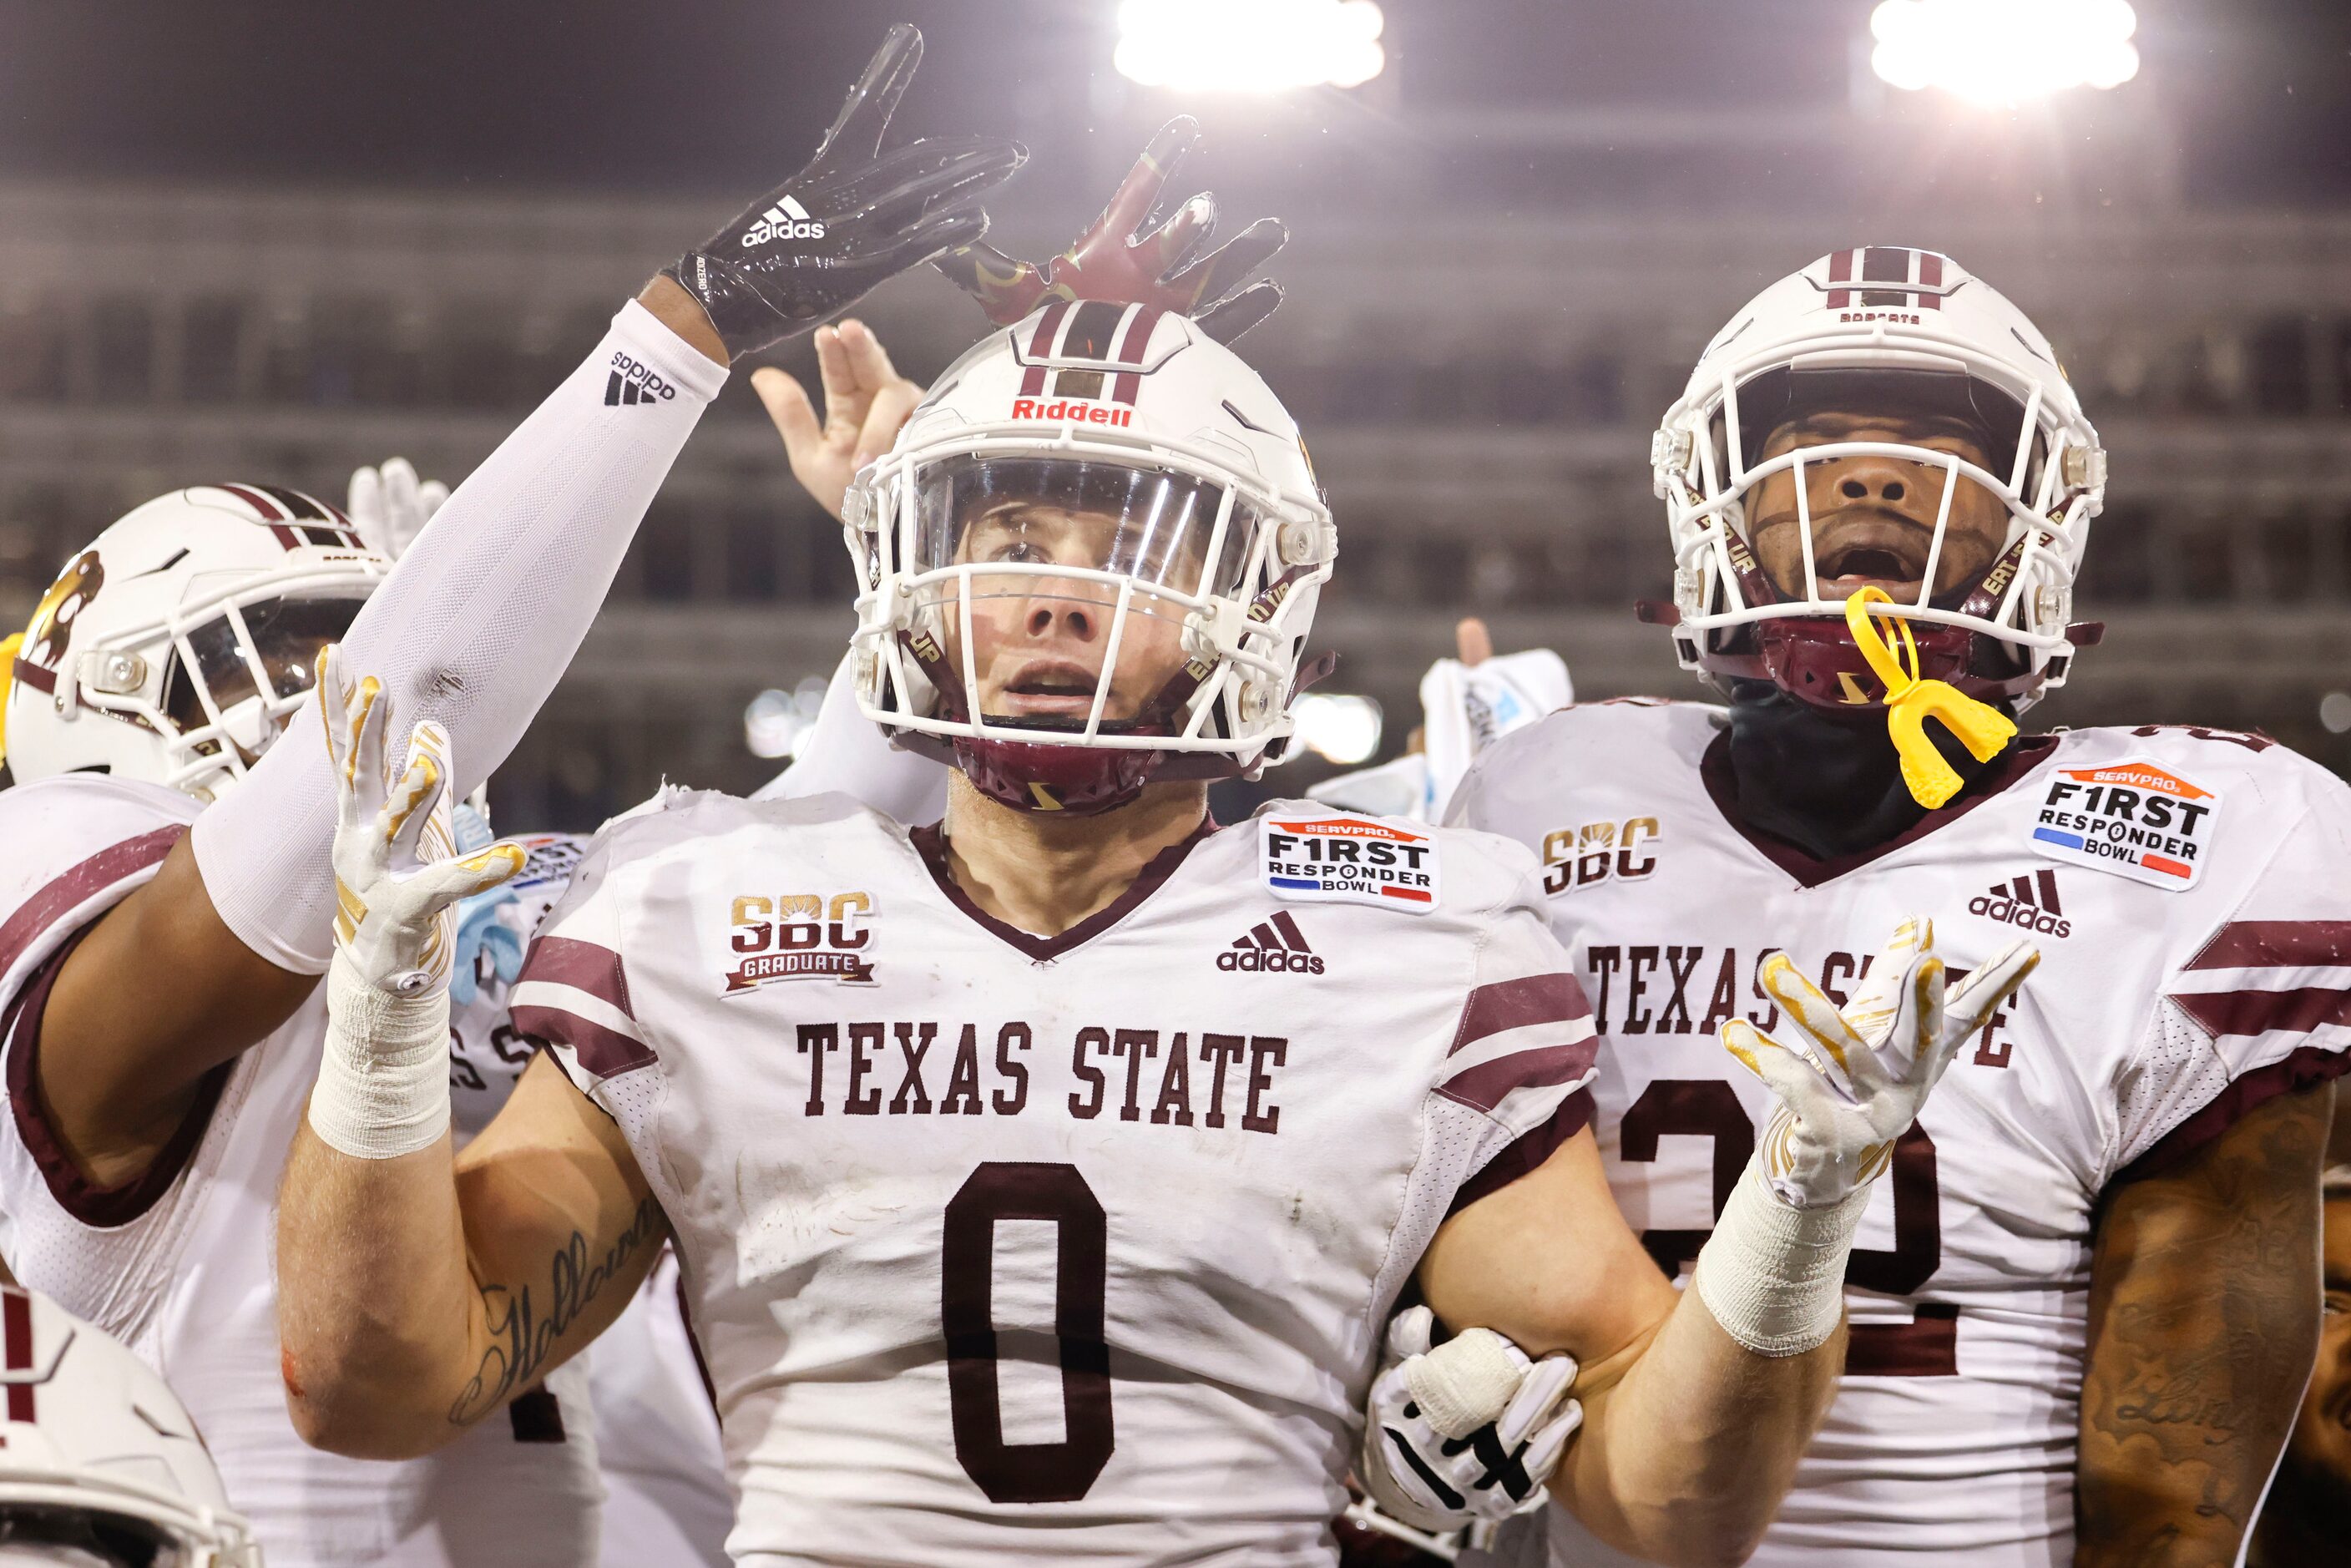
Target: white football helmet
(1115, 493)
(1880, 328)
(100, 1464)
(176, 647)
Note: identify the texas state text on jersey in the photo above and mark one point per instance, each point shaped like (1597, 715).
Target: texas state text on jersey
(1093, 1234)
(2183, 887)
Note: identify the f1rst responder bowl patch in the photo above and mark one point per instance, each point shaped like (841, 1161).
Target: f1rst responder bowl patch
(1329, 857)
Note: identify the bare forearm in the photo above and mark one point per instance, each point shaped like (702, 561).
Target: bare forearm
(377, 1309)
(2204, 1320)
(1685, 1457)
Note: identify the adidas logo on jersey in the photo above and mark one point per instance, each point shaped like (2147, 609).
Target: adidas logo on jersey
(2030, 901)
(633, 380)
(1275, 947)
(786, 220)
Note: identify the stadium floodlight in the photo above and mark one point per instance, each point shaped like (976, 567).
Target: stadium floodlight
(2004, 51)
(1343, 729)
(1250, 46)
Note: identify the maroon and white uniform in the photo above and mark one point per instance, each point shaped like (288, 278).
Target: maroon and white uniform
(1075, 1248)
(177, 1264)
(2185, 888)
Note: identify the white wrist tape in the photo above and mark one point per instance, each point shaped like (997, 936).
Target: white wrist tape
(383, 1085)
(1772, 1274)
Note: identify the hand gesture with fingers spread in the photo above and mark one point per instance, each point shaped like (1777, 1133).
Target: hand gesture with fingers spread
(865, 401)
(397, 875)
(1853, 1081)
(1126, 258)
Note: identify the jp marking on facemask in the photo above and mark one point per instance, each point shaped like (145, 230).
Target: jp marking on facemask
(1349, 859)
(2133, 819)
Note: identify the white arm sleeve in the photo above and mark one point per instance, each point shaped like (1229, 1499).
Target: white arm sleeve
(476, 625)
(846, 753)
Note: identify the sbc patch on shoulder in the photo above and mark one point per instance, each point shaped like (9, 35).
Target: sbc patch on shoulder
(1326, 857)
(2135, 819)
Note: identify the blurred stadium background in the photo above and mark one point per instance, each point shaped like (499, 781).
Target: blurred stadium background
(273, 241)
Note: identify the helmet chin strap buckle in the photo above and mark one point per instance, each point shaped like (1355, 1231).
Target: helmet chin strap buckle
(1910, 702)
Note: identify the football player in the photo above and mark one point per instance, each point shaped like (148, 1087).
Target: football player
(1041, 1178)
(2083, 1307)
(164, 914)
(99, 1465)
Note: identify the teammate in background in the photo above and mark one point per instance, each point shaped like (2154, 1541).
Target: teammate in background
(2081, 1313)
(159, 983)
(99, 1465)
(1117, 1294)
(2302, 1518)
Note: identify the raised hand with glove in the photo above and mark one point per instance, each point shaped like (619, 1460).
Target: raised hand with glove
(854, 218)
(1849, 1084)
(383, 1084)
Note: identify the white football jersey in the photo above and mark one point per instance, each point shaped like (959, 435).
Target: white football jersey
(1075, 1249)
(2185, 890)
(178, 1263)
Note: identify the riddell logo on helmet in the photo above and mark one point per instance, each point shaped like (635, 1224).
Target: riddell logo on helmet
(1073, 410)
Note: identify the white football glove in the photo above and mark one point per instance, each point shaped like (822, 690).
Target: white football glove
(389, 507)
(397, 873)
(1467, 1431)
(1853, 1081)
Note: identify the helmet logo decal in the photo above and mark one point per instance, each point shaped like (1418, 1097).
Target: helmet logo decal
(52, 624)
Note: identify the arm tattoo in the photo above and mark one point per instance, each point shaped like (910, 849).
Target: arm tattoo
(521, 1334)
(2203, 1321)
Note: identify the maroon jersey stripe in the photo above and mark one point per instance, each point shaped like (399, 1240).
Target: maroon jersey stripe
(1487, 1085)
(582, 965)
(64, 894)
(1573, 1115)
(16, 1329)
(2244, 1013)
(2276, 945)
(604, 1052)
(1514, 1004)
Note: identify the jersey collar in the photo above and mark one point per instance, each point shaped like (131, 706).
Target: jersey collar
(1722, 788)
(931, 844)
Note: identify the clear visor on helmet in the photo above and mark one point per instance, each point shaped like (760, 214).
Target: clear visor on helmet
(1059, 589)
(1917, 482)
(243, 670)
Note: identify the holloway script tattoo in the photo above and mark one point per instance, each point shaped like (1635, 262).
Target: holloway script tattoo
(2205, 1316)
(522, 1333)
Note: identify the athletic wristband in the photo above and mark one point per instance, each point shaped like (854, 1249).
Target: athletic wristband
(1772, 1274)
(383, 1082)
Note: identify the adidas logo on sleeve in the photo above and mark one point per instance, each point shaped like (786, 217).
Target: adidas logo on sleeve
(1274, 947)
(786, 220)
(2030, 901)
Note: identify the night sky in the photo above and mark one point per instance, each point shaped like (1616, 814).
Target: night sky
(704, 94)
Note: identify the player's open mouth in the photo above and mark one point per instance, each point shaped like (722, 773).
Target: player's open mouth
(1052, 689)
(1891, 556)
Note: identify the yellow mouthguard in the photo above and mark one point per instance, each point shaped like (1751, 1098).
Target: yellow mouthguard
(1910, 702)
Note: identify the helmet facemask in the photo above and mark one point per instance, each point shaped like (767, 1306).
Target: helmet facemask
(1070, 626)
(1918, 438)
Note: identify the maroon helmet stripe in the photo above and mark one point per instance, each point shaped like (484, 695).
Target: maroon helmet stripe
(1930, 278)
(1840, 271)
(1093, 326)
(1554, 998)
(1130, 352)
(270, 511)
(292, 538)
(297, 504)
(38, 676)
(1032, 381)
(2275, 945)
(16, 1328)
